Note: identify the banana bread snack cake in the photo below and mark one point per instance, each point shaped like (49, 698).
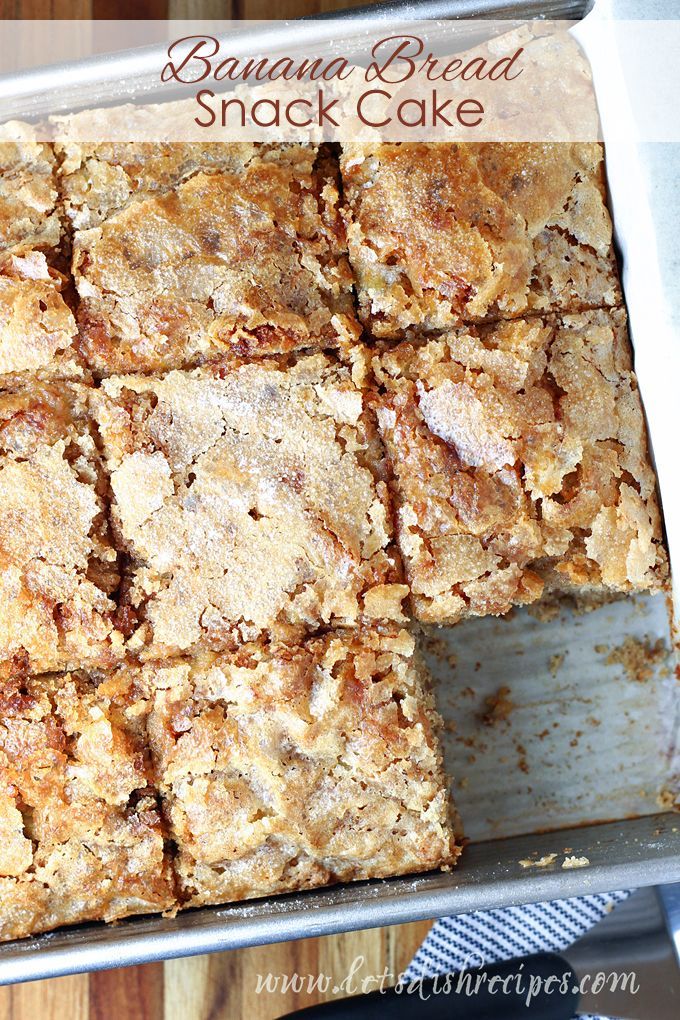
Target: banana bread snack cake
(57, 566)
(249, 500)
(239, 253)
(80, 831)
(284, 768)
(520, 464)
(444, 233)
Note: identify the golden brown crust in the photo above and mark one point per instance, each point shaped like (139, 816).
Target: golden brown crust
(29, 217)
(37, 328)
(57, 567)
(249, 500)
(96, 180)
(244, 260)
(80, 831)
(285, 768)
(520, 464)
(442, 233)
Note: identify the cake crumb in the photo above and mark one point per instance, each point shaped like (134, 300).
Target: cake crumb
(668, 800)
(545, 611)
(498, 707)
(540, 862)
(638, 657)
(556, 662)
(575, 862)
(522, 764)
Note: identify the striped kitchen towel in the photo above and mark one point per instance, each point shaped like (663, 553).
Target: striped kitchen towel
(471, 940)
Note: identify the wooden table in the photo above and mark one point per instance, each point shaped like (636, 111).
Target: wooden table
(222, 986)
(218, 987)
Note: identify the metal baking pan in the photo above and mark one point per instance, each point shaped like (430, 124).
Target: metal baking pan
(562, 734)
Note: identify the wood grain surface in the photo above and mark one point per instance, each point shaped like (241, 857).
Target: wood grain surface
(222, 986)
(140, 9)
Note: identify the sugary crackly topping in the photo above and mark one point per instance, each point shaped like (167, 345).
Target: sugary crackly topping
(56, 565)
(81, 835)
(99, 179)
(237, 261)
(28, 193)
(249, 500)
(287, 767)
(520, 464)
(442, 233)
(37, 328)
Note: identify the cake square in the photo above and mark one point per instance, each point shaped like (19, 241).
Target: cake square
(29, 216)
(37, 326)
(57, 566)
(38, 334)
(283, 768)
(520, 465)
(80, 830)
(226, 255)
(441, 234)
(248, 499)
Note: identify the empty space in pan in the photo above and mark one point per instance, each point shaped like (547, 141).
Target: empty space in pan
(552, 723)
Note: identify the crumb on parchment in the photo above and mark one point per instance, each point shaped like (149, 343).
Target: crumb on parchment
(498, 707)
(638, 657)
(556, 662)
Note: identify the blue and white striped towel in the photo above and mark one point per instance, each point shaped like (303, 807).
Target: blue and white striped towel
(470, 940)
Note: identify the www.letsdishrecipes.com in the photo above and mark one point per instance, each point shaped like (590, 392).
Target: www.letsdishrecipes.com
(469, 982)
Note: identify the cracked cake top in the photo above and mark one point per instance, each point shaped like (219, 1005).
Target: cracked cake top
(520, 464)
(57, 566)
(29, 217)
(249, 500)
(244, 256)
(283, 768)
(38, 336)
(80, 830)
(444, 233)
